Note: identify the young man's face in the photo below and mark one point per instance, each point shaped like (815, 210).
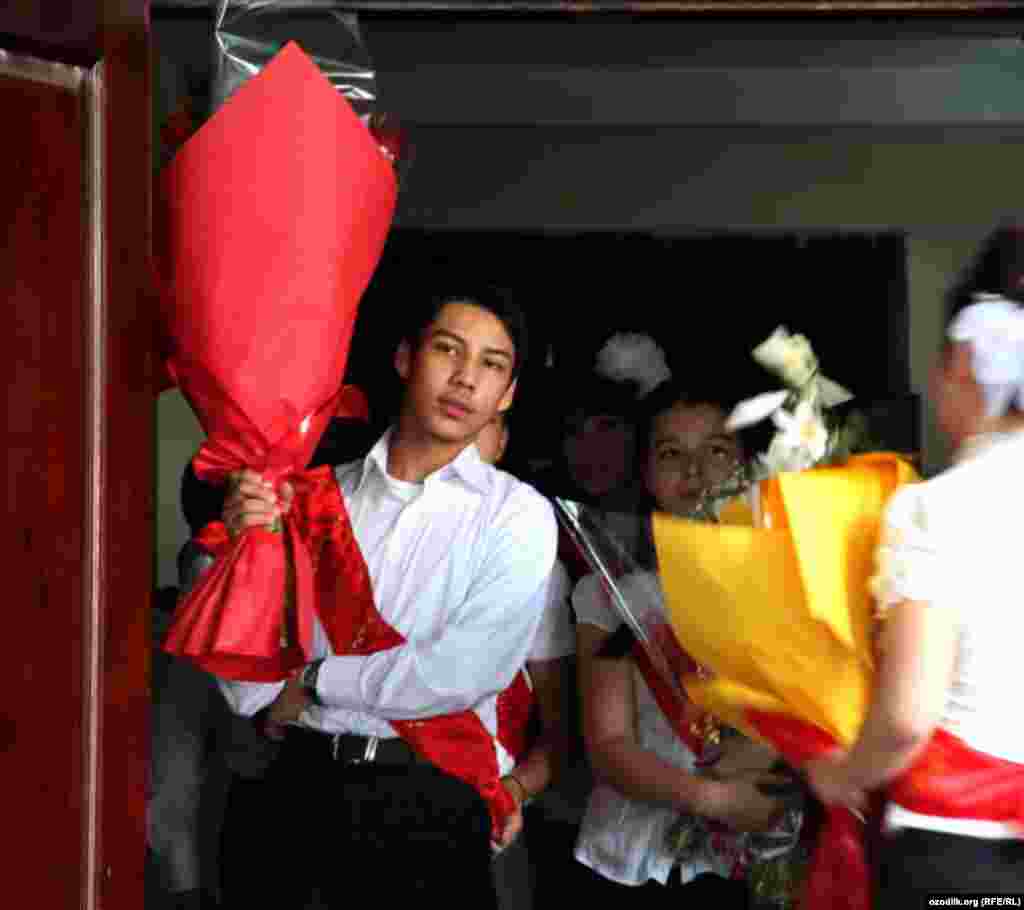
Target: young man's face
(493, 440)
(460, 376)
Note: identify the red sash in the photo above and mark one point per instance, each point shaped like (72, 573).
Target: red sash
(949, 779)
(688, 725)
(952, 780)
(459, 744)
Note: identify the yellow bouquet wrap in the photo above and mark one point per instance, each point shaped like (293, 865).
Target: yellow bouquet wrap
(780, 612)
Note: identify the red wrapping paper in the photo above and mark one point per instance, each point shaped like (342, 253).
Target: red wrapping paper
(949, 779)
(458, 743)
(272, 219)
(838, 878)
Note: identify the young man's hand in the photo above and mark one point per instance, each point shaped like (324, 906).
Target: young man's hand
(251, 502)
(287, 708)
(514, 823)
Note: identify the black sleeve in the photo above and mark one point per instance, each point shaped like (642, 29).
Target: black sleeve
(201, 502)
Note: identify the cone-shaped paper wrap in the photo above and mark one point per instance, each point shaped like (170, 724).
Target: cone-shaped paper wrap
(782, 614)
(273, 217)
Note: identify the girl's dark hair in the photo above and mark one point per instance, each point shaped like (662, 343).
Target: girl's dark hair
(722, 389)
(586, 395)
(997, 268)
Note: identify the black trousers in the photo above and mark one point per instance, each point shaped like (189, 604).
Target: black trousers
(713, 892)
(913, 863)
(351, 831)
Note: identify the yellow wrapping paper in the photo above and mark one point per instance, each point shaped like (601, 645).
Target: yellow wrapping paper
(781, 614)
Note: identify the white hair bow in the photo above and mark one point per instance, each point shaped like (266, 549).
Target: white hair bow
(632, 357)
(994, 327)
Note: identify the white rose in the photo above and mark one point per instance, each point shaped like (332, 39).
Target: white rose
(788, 356)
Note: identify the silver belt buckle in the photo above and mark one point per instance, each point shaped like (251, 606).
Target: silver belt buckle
(370, 753)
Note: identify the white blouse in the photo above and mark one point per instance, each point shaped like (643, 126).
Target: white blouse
(954, 542)
(623, 839)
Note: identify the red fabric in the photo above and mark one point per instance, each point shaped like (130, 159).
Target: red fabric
(353, 403)
(949, 779)
(838, 877)
(675, 709)
(515, 705)
(262, 251)
(952, 780)
(230, 623)
(458, 743)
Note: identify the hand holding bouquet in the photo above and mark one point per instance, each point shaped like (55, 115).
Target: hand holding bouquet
(776, 602)
(272, 218)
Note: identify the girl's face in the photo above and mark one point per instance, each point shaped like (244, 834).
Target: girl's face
(956, 395)
(690, 452)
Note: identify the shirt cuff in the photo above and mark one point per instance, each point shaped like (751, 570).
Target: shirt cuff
(247, 699)
(338, 685)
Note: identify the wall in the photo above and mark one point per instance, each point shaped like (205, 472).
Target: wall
(944, 186)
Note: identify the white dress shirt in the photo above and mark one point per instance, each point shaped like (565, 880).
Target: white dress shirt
(555, 636)
(460, 566)
(953, 542)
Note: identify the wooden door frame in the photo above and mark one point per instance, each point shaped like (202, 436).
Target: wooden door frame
(662, 9)
(122, 439)
(122, 427)
(108, 41)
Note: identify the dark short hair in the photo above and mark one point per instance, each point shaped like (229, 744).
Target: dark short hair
(495, 301)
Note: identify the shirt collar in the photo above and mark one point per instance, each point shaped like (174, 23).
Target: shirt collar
(468, 466)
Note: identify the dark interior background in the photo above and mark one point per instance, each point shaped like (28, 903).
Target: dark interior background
(705, 298)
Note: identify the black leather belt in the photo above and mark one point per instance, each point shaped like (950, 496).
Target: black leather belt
(351, 749)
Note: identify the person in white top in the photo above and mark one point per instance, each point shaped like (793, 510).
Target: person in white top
(645, 773)
(545, 760)
(460, 559)
(948, 593)
(554, 642)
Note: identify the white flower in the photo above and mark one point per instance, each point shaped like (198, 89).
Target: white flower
(803, 429)
(788, 356)
(793, 360)
(802, 440)
(832, 393)
(754, 410)
(782, 458)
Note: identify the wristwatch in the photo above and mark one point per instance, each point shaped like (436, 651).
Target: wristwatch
(308, 680)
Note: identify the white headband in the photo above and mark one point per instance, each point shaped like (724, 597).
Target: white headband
(994, 327)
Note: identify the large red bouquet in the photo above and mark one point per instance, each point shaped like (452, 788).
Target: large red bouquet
(271, 220)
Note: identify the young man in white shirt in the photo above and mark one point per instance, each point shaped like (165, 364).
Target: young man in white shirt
(460, 557)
